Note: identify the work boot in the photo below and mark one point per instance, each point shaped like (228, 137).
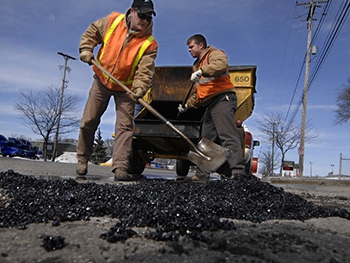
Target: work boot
(81, 168)
(120, 174)
(197, 178)
(180, 177)
(237, 173)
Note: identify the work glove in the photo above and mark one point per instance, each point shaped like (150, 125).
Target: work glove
(86, 56)
(196, 75)
(182, 109)
(136, 94)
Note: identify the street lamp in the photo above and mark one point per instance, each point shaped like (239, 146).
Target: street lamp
(311, 163)
(332, 167)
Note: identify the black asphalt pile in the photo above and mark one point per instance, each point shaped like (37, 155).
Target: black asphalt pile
(171, 208)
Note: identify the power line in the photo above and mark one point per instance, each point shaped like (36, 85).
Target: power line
(341, 18)
(283, 61)
(296, 109)
(344, 12)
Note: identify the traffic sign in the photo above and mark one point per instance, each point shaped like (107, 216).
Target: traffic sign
(301, 150)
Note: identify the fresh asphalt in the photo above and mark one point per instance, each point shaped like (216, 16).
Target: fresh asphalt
(102, 174)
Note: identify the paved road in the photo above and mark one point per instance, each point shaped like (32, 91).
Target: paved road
(57, 170)
(52, 169)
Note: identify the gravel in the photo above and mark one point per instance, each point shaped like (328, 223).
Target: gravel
(172, 208)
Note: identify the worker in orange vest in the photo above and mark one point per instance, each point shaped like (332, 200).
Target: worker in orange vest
(127, 51)
(214, 91)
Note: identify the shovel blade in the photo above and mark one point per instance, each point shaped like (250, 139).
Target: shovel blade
(215, 154)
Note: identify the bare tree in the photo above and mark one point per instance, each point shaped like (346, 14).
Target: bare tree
(343, 103)
(20, 136)
(285, 136)
(40, 112)
(267, 163)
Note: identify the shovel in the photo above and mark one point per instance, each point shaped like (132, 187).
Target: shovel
(185, 100)
(205, 154)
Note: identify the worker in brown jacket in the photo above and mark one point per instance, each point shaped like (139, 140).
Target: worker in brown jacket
(127, 50)
(215, 91)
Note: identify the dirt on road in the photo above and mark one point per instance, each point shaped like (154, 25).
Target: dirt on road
(238, 220)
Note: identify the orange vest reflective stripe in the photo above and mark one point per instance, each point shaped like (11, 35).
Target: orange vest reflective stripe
(210, 85)
(120, 61)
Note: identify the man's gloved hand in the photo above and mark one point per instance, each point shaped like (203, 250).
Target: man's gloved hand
(196, 75)
(86, 56)
(137, 93)
(182, 109)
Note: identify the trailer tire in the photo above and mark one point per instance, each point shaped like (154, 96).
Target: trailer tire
(182, 167)
(136, 163)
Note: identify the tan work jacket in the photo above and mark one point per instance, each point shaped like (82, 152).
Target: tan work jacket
(128, 56)
(215, 78)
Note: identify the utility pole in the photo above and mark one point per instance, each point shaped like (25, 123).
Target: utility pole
(273, 147)
(64, 82)
(312, 6)
(340, 164)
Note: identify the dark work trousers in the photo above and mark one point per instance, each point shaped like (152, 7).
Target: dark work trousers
(218, 126)
(96, 105)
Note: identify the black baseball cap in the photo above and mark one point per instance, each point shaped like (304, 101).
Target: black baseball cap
(144, 6)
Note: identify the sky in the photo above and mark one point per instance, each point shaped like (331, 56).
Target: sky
(271, 34)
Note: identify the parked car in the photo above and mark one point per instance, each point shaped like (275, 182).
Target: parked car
(38, 154)
(9, 148)
(25, 142)
(15, 140)
(249, 144)
(25, 148)
(27, 151)
(2, 140)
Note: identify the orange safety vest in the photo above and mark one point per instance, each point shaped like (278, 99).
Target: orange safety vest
(208, 86)
(120, 61)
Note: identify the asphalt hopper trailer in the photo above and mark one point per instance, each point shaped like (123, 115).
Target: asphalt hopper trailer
(154, 139)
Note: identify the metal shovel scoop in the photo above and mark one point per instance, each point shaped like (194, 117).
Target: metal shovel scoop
(205, 154)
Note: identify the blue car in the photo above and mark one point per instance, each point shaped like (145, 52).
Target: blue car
(8, 148)
(2, 139)
(27, 151)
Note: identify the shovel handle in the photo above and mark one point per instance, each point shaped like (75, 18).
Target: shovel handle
(97, 65)
(152, 110)
(140, 100)
(186, 98)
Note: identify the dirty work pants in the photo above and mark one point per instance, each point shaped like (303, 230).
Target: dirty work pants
(96, 105)
(218, 126)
